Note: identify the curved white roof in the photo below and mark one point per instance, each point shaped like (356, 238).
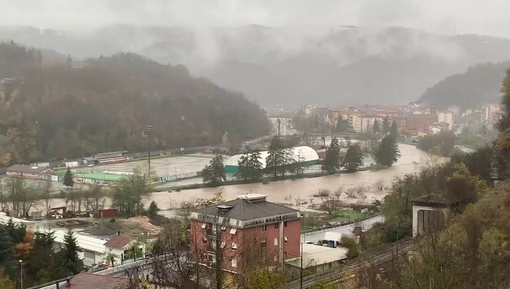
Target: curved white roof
(305, 153)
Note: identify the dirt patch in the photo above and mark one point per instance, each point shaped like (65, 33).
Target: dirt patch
(144, 223)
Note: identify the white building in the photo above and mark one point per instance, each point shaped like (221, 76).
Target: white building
(490, 114)
(446, 117)
(93, 249)
(366, 123)
(119, 244)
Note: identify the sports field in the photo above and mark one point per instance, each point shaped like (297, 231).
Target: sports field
(163, 166)
(100, 176)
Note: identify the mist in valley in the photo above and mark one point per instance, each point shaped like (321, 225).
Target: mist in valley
(284, 52)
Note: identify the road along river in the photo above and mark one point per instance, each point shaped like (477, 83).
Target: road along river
(288, 191)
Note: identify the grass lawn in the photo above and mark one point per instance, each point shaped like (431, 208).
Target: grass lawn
(315, 221)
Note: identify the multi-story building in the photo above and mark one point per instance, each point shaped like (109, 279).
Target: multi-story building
(490, 114)
(244, 231)
(367, 122)
(446, 117)
(455, 109)
(419, 124)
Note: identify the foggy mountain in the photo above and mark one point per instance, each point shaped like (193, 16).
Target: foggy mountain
(290, 66)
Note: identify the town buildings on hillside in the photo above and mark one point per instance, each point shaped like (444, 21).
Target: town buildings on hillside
(490, 114)
(417, 119)
(245, 231)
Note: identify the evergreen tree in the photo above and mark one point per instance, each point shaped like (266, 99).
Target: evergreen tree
(42, 259)
(255, 160)
(375, 127)
(394, 129)
(353, 159)
(68, 257)
(6, 249)
(332, 161)
(343, 125)
(214, 173)
(69, 60)
(243, 167)
(68, 179)
(297, 167)
(387, 153)
(276, 158)
(386, 125)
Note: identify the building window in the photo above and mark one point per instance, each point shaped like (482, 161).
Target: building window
(223, 245)
(263, 243)
(285, 239)
(223, 228)
(277, 226)
(275, 258)
(234, 263)
(285, 224)
(276, 241)
(204, 225)
(204, 240)
(264, 228)
(234, 246)
(233, 231)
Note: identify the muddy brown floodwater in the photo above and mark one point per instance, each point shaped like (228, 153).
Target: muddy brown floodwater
(287, 191)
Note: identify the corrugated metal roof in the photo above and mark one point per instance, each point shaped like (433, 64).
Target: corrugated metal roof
(84, 242)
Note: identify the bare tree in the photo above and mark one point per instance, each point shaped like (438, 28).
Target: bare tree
(45, 192)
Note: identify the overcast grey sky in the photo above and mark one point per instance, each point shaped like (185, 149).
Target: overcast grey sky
(440, 16)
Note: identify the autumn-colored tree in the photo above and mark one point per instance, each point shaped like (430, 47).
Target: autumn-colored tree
(24, 248)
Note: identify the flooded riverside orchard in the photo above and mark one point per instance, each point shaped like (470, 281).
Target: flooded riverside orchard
(288, 191)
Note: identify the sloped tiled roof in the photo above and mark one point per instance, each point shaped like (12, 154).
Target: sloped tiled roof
(245, 210)
(118, 241)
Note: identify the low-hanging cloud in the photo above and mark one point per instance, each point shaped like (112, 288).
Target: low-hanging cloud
(469, 16)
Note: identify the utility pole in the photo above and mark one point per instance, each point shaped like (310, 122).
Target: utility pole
(182, 131)
(149, 130)
(301, 266)
(279, 123)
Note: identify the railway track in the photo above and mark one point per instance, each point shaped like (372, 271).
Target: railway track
(349, 271)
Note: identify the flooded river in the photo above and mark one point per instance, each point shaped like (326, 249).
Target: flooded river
(288, 191)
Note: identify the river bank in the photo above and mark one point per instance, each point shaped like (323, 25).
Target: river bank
(264, 180)
(298, 190)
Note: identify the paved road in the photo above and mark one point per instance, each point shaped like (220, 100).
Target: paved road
(347, 229)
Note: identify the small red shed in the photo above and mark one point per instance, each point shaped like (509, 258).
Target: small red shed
(108, 213)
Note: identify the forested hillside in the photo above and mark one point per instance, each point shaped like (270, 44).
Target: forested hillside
(478, 85)
(290, 65)
(72, 109)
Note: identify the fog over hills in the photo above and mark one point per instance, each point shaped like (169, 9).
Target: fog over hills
(289, 66)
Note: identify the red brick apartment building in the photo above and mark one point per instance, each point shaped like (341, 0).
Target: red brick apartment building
(245, 231)
(417, 123)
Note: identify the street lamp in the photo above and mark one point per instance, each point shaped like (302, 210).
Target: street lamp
(182, 128)
(21, 273)
(149, 130)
